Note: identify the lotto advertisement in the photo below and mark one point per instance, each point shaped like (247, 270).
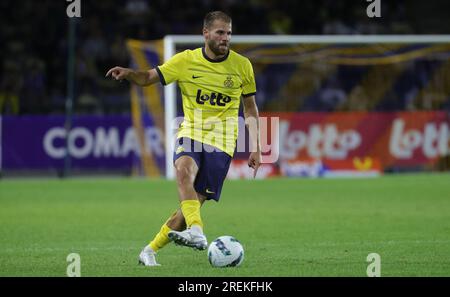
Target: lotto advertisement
(353, 144)
(293, 144)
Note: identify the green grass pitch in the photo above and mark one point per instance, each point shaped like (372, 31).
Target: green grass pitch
(289, 227)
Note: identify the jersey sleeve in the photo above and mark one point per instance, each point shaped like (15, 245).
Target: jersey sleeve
(248, 83)
(170, 71)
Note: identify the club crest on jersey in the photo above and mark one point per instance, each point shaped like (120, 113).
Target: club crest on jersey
(214, 98)
(228, 83)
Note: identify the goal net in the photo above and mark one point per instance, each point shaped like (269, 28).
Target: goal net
(355, 103)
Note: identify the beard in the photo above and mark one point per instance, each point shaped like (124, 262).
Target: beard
(217, 49)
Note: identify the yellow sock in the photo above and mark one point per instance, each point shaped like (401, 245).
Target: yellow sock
(160, 239)
(191, 212)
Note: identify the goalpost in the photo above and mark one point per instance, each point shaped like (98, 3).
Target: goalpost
(172, 41)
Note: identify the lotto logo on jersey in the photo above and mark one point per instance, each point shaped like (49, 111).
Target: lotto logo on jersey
(214, 98)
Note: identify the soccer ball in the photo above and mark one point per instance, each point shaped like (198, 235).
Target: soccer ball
(225, 251)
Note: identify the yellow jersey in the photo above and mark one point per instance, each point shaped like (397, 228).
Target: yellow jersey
(211, 92)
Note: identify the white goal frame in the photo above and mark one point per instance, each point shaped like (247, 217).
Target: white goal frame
(171, 41)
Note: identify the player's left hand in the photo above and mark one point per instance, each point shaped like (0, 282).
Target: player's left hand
(254, 161)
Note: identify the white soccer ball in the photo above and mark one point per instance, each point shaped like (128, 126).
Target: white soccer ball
(225, 251)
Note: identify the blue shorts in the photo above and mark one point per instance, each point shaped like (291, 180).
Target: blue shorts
(213, 165)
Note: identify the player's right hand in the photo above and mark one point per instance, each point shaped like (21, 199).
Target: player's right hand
(118, 73)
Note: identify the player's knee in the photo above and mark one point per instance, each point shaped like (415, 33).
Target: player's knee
(185, 176)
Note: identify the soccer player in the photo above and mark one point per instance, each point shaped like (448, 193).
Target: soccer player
(212, 80)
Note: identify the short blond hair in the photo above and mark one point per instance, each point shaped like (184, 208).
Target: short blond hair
(215, 15)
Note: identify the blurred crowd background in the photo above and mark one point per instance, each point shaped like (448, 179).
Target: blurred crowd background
(33, 34)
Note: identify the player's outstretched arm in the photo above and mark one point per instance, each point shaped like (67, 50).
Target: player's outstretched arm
(141, 78)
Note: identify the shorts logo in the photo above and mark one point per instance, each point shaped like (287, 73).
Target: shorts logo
(209, 192)
(179, 150)
(228, 83)
(214, 99)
